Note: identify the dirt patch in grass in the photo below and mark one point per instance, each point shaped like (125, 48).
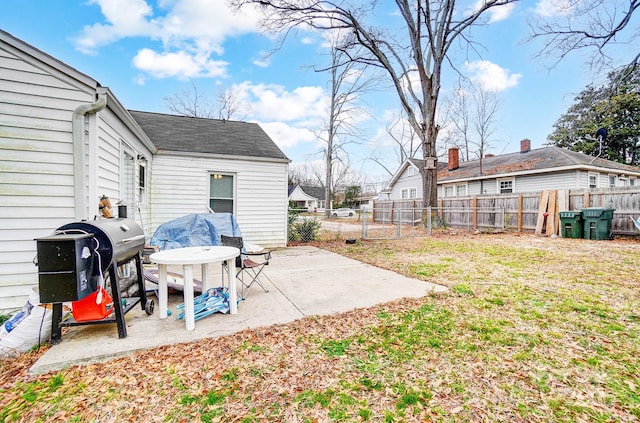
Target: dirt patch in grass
(532, 329)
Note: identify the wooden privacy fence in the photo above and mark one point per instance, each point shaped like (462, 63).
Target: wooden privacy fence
(522, 212)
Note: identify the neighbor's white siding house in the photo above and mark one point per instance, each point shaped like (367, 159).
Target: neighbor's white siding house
(525, 171)
(61, 138)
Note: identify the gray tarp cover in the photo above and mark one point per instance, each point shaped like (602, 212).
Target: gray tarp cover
(195, 230)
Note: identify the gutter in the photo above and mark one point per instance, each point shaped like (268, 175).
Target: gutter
(79, 150)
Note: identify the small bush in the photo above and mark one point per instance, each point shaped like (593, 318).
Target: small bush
(305, 230)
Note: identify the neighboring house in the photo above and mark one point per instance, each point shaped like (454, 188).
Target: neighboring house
(65, 141)
(307, 197)
(525, 171)
(365, 202)
(222, 165)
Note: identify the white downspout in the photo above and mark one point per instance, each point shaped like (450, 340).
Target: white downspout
(78, 136)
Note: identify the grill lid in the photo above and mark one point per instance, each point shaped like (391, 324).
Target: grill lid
(119, 239)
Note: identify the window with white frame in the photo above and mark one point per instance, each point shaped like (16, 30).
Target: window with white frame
(593, 180)
(407, 193)
(142, 180)
(221, 193)
(632, 182)
(128, 178)
(506, 186)
(455, 190)
(612, 181)
(411, 171)
(449, 191)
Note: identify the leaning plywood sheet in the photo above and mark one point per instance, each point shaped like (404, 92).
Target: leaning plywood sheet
(551, 228)
(542, 209)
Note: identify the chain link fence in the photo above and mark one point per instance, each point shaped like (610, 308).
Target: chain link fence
(303, 226)
(392, 223)
(387, 223)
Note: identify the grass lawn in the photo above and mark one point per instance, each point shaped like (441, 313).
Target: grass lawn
(532, 329)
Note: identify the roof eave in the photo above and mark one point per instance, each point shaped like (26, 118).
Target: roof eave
(539, 171)
(223, 156)
(114, 104)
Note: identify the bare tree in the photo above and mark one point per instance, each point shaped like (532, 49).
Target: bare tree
(405, 145)
(594, 25)
(346, 83)
(230, 105)
(413, 61)
(459, 115)
(194, 103)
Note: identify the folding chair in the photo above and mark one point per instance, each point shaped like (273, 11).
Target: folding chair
(248, 263)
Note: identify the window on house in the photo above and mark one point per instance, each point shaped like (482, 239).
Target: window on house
(404, 194)
(128, 183)
(461, 190)
(505, 186)
(593, 180)
(449, 191)
(632, 182)
(612, 181)
(413, 193)
(221, 195)
(411, 171)
(142, 181)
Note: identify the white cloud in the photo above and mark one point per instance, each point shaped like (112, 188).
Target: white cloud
(492, 77)
(264, 61)
(305, 105)
(500, 13)
(287, 136)
(496, 13)
(307, 40)
(180, 65)
(552, 8)
(193, 30)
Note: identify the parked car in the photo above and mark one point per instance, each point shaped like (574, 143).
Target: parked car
(343, 212)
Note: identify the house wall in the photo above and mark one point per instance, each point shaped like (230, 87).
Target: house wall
(36, 165)
(37, 182)
(569, 179)
(115, 176)
(181, 186)
(406, 181)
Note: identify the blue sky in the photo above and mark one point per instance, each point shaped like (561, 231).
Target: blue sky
(146, 50)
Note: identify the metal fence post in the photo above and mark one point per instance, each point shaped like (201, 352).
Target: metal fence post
(429, 220)
(365, 217)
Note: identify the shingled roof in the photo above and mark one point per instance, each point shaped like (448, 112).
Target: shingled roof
(207, 136)
(534, 161)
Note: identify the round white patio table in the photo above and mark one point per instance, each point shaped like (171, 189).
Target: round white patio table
(187, 257)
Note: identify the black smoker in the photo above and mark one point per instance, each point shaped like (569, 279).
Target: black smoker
(71, 260)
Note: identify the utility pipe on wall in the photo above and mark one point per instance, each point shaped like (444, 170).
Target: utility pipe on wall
(79, 153)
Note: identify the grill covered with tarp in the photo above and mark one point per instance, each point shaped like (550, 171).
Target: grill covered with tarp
(195, 230)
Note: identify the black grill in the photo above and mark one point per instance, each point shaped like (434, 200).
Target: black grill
(71, 260)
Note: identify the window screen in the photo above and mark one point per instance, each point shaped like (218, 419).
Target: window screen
(221, 193)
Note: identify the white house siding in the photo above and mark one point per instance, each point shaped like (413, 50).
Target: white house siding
(406, 181)
(36, 165)
(181, 186)
(111, 172)
(539, 182)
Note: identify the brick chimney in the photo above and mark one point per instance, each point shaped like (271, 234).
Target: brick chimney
(488, 155)
(525, 145)
(454, 159)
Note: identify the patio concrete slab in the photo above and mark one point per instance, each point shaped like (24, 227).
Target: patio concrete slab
(304, 281)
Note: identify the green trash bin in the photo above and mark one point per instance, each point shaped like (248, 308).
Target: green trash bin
(571, 224)
(597, 223)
